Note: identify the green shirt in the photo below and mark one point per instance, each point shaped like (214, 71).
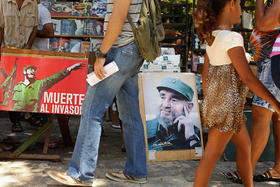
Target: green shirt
(158, 138)
(28, 98)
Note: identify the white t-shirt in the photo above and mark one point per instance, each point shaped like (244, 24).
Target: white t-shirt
(44, 17)
(224, 40)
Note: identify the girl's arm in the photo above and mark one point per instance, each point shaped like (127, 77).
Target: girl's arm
(267, 19)
(204, 73)
(242, 67)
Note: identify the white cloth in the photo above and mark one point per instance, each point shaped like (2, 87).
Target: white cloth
(44, 17)
(224, 40)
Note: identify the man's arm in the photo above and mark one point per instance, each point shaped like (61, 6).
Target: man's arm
(31, 38)
(47, 31)
(1, 39)
(1, 35)
(115, 26)
(1, 26)
(34, 31)
(45, 18)
(267, 19)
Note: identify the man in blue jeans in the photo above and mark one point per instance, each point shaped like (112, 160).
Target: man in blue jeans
(117, 46)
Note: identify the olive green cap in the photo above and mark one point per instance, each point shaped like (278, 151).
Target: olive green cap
(29, 66)
(178, 86)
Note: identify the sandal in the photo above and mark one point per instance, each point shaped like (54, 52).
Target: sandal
(53, 145)
(266, 176)
(16, 127)
(233, 177)
(8, 144)
(35, 121)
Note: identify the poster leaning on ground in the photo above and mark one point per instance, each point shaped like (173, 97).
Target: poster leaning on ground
(170, 114)
(42, 81)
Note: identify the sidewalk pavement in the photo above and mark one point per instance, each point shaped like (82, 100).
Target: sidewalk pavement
(33, 173)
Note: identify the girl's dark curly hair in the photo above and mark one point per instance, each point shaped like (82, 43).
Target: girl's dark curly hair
(206, 15)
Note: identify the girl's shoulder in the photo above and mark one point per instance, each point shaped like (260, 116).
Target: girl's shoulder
(228, 36)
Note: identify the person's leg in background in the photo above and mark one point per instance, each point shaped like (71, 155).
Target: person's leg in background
(260, 129)
(36, 119)
(262, 114)
(276, 136)
(115, 116)
(15, 118)
(117, 123)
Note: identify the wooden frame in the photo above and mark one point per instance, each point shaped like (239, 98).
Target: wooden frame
(148, 92)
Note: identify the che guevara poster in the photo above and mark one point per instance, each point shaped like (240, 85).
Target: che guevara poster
(46, 82)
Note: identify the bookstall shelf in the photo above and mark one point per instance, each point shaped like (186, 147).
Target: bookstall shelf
(78, 36)
(77, 17)
(176, 22)
(78, 25)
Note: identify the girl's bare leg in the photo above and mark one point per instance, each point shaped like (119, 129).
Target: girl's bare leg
(243, 156)
(215, 146)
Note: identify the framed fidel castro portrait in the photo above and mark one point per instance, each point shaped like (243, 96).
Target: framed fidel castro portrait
(170, 114)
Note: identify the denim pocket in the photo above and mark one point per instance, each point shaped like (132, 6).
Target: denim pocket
(128, 59)
(131, 50)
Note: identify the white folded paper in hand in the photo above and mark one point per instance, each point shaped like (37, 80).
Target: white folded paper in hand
(110, 69)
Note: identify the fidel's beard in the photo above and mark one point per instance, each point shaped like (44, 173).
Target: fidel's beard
(165, 122)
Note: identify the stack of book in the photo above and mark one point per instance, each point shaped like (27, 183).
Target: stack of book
(78, 27)
(73, 45)
(167, 62)
(96, 8)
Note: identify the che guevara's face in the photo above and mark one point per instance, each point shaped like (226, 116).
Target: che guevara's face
(30, 73)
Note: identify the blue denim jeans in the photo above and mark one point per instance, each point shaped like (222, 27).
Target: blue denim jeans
(264, 75)
(124, 86)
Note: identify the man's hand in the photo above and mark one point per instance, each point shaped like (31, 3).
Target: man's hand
(75, 66)
(186, 124)
(98, 68)
(27, 46)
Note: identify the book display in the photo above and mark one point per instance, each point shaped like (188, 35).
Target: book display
(68, 27)
(82, 9)
(78, 26)
(93, 27)
(64, 44)
(75, 45)
(48, 4)
(95, 43)
(99, 8)
(62, 8)
(56, 26)
(85, 46)
(54, 44)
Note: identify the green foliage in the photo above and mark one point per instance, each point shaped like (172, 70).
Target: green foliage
(176, 14)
